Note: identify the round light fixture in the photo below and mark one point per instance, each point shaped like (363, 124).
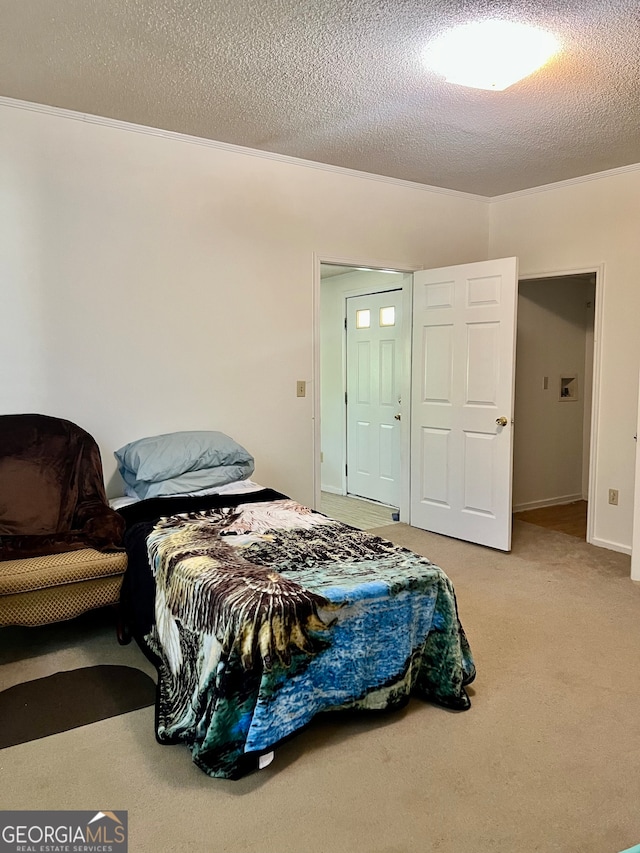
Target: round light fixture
(490, 54)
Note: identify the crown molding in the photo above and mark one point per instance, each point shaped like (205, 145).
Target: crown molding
(130, 127)
(118, 124)
(569, 182)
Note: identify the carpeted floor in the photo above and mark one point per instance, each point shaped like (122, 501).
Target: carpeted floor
(546, 759)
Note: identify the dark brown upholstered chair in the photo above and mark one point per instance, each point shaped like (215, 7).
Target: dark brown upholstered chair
(60, 543)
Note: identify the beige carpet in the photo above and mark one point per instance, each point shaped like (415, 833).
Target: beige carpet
(547, 759)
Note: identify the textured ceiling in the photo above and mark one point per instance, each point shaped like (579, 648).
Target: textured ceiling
(340, 82)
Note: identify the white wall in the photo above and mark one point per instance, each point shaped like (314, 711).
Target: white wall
(148, 283)
(580, 226)
(548, 430)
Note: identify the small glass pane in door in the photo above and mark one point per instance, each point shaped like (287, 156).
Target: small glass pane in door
(363, 319)
(388, 316)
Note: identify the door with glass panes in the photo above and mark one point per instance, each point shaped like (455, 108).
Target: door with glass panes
(373, 400)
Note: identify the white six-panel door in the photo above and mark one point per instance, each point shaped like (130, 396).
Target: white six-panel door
(374, 335)
(463, 354)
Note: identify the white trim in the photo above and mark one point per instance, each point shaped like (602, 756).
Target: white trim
(373, 265)
(586, 270)
(118, 124)
(611, 546)
(598, 271)
(61, 112)
(316, 438)
(569, 182)
(405, 442)
(592, 505)
(344, 457)
(560, 501)
(635, 533)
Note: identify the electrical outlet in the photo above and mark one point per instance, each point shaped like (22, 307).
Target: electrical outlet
(613, 497)
(301, 388)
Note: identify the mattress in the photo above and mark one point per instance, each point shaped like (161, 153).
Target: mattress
(237, 488)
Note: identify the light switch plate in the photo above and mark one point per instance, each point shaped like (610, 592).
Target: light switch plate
(301, 388)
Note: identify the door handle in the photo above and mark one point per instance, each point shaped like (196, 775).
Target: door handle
(502, 421)
(398, 417)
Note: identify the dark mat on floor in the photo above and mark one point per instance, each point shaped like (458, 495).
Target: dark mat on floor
(66, 700)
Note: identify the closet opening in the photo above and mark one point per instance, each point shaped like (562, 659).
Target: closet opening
(553, 401)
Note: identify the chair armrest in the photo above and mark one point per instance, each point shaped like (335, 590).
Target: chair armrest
(102, 527)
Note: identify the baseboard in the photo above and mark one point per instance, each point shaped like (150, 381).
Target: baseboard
(564, 499)
(611, 546)
(332, 490)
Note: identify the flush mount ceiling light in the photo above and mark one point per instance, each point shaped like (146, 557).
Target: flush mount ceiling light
(490, 54)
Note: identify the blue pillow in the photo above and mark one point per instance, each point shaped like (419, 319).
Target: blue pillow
(182, 462)
(192, 482)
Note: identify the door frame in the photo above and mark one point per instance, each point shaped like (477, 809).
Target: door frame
(635, 533)
(407, 309)
(599, 272)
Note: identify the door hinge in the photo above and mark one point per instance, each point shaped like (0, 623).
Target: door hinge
(345, 398)
(345, 322)
(346, 469)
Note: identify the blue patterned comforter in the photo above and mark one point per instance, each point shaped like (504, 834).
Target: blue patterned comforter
(267, 613)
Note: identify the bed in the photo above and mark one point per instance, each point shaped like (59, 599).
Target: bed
(260, 613)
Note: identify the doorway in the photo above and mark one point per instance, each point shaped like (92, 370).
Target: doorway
(331, 406)
(344, 470)
(553, 401)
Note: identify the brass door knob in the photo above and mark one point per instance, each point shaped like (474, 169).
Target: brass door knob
(502, 421)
